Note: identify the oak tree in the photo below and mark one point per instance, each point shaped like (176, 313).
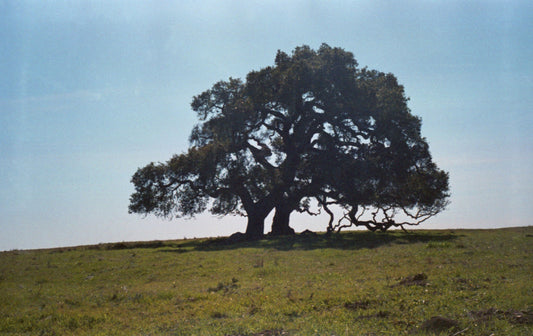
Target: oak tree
(312, 126)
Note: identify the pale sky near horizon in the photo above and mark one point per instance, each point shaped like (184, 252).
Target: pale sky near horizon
(92, 90)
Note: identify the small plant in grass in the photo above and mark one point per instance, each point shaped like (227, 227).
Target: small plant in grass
(225, 287)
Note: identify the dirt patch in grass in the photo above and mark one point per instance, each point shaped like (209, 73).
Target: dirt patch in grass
(364, 304)
(266, 333)
(466, 284)
(379, 314)
(225, 287)
(438, 324)
(218, 315)
(513, 316)
(420, 279)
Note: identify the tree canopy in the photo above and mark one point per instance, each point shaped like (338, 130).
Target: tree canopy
(313, 126)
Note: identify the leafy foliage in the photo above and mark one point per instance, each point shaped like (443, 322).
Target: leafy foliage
(314, 125)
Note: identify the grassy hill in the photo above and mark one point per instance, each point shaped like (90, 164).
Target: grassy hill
(357, 283)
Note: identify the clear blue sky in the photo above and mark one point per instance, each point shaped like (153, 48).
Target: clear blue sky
(92, 90)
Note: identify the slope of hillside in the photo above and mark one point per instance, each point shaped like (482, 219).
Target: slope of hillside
(461, 282)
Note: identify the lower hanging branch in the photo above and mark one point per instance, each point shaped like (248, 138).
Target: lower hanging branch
(382, 218)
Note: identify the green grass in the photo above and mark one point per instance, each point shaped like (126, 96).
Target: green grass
(355, 283)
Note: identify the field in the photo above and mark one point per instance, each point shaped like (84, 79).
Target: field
(461, 282)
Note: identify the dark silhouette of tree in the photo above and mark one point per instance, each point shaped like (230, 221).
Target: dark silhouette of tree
(389, 173)
(313, 126)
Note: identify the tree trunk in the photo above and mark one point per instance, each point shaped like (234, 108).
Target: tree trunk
(280, 223)
(256, 225)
